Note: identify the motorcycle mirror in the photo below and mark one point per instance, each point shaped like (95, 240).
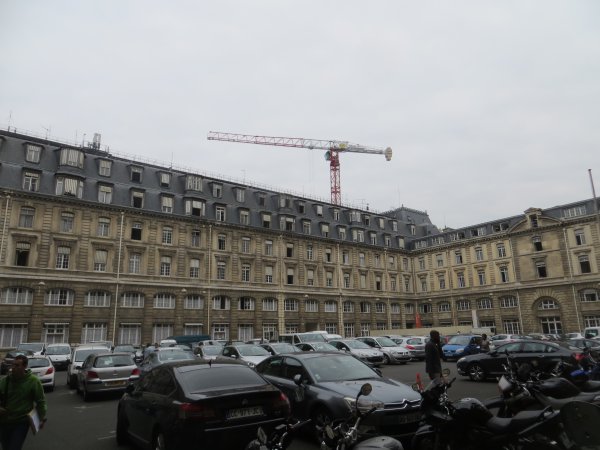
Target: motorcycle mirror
(366, 389)
(415, 387)
(261, 435)
(446, 372)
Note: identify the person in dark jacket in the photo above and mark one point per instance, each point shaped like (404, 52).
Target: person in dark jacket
(433, 356)
(20, 392)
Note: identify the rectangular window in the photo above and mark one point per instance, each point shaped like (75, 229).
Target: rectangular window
(484, 303)
(69, 186)
(348, 307)
(329, 279)
(130, 334)
(439, 260)
(165, 179)
(442, 281)
(195, 238)
(460, 277)
(579, 237)
(245, 247)
(59, 297)
(66, 222)
(458, 257)
(103, 229)
(164, 301)
(421, 263)
(193, 301)
(136, 174)
(309, 252)
(306, 227)
(508, 302)
(104, 167)
(347, 280)
(269, 248)
(16, 296)
(289, 250)
(71, 157)
(345, 257)
(266, 220)
(244, 217)
(584, 264)
(100, 260)
(479, 254)
(220, 213)
(32, 154)
(373, 238)
(165, 266)
(22, 250)
(97, 299)
(93, 331)
(160, 331)
(217, 190)
(504, 274)
(269, 274)
(481, 277)
(463, 305)
(342, 233)
(501, 251)
(194, 268)
(135, 261)
(62, 257)
(31, 181)
(193, 183)
(363, 281)
(105, 194)
(221, 267)
(137, 199)
(310, 277)
(361, 259)
(537, 244)
(290, 276)
(195, 208)
(328, 255)
(166, 204)
(311, 306)
(540, 267)
(330, 306)
(246, 273)
(132, 300)
(167, 235)
(324, 230)
(240, 195)
(269, 304)
(290, 304)
(221, 242)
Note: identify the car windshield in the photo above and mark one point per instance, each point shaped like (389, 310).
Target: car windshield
(80, 355)
(252, 350)
(59, 350)
(124, 348)
(386, 342)
(459, 340)
(113, 361)
(356, 344)
(174, 355)
(338, 368)
(212, 350)
(218, 377)
(38, 362)
(33, 347)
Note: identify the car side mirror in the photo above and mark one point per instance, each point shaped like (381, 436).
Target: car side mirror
(78, 367)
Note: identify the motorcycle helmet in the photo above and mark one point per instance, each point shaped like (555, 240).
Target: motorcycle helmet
(471, 410)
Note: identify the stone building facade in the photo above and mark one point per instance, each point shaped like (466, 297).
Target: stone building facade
(97, 246)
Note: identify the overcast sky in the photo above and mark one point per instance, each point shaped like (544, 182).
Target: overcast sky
(490, 107)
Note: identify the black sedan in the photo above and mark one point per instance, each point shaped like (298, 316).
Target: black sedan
(323, 386)
(541, 355)
(186, 404)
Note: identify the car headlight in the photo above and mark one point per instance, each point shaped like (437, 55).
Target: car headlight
(459, 350)
(364, 404)
(461, 360)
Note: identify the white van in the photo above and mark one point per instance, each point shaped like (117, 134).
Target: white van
(591, 333)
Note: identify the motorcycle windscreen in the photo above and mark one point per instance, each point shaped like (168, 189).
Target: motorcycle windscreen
(581, 421)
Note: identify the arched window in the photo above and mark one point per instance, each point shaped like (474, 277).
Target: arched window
(548, 303)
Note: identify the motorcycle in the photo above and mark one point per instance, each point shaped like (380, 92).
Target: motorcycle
(467, 424)
(344, 434)
(279, 439)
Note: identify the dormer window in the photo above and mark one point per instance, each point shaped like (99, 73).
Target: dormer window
(217, 190)
(301, 208)
(394, 225)
(32, 153)
(354, 216)
(194, 208)
(533, 220)
(336, 215)
(71, 157)
(136, 174)
(320, 210)
(381, 222)
(240, 195)
(285, 202)
(193, 183)
(104, 167)
(165, 179)
(69, 186)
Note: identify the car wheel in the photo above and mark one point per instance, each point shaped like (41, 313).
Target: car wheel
(122, 427)
(320, 417)
(159, 442)
(386, 359)
(476, 372)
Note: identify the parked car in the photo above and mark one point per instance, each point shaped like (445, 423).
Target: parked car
(207, 352)
(316, 347)
(392, 352)
(249, 354)
(164, 354)
(500, 339)
(78, 355)
(128, 348)
(37, 348)
(360, 350)
(297, 338)
(7, 362)
(278, 348)
(543, 355)
(185, 403)
(41, 366)
(321, 385)
(460, 345)
(592, 344)
(574, 336)
(59, 354)
(414, 344)
(106, 372)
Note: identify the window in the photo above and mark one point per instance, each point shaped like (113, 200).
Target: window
(588, 295)
(245, 247)
(97, 299)
(287, 223)
(460, 278)
(330, 306)
(380, 307)
(378, 284)
(373, 238)
(548, 303)
(262, 199)
(347, 281)
(336, 215)
(217, 190)
(325, 230)
(16, 296)
(165, 266)
(166, 204)
(137, 199)
(160, 331)
(59, 297)
(540, 267)
(221, 302)
(193, 183)
(394, 225)
(309, 252)
(104, 167)
(342, 233)
(361, 259)
(71, 157)
(310, 277)
(421, 263)
(345, 257)
(164, 301)
(584, 264)
(409, 308)
(22, 250)
(444, 307)
(328, 255)
(167, 235)
(136, 231)
(100, 260)
(93, 331)
(269, 248)
(348, 307)
(290, 276)
(306, 226)
(55, 333)
(103, 229)
(311, 306)
(246, 273)
(244, 217)
(395, 308)
(591, 321)
(221, 268)
(365, 307)
(266, 220)
(136, 174)
(511, 326)
(481, 277)
(329, 279)
(69, 186)
(537, 243)
(579, 237)
(533, 220)
(31, 181)
(501, 250)
(301, 208)
(551, 325)
(66, 222)
(363, 281)
(194, 268)
(246, 304)
(320, 210)
(484, 303)
(393, 283)
(405, 264)
(132, 300)
(62, 257)
(504, 274)
(387, 240)
(442, 281)
(458, 257)
(195, 208)
(268, 274)
(221, 242)
(407, 283)
(463, 305)
(508, 302)
(391, 262)
(425, 308)
(195, 238)
(478, 253)
(135, 261)
(349, 330)
(290, 304)
(423, 281)
(165, 179)
(354, 216)
(220, 213)
(105, 194)
(269, 304)
(289, 250)
(439, 258)
(32, 153)
(193, 301)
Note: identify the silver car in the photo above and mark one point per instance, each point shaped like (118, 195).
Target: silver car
(392, 352)
(361, 350)
(41, 367)
(106, 372)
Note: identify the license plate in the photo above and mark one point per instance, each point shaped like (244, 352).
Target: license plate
(241, 413)
(115, 383)
(409, 418)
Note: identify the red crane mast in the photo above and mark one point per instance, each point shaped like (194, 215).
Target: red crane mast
(333, 149)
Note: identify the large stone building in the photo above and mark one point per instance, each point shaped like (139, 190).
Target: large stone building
(97, 246)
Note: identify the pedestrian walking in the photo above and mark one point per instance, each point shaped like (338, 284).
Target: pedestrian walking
(485, 343)
(20, 392)
(433, 356)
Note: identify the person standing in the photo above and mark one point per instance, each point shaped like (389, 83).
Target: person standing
(20, 392)
(433, 356)
(485, 343)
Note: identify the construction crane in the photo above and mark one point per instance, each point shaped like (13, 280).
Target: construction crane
(333, 149)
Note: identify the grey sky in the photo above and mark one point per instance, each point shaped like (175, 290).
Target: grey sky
(491, 107)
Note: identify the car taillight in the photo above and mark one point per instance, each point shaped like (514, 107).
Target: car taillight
(91, 374)
(135, 372)
(49, 371)
(410, 347)
(196, 411)
(282, 403)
